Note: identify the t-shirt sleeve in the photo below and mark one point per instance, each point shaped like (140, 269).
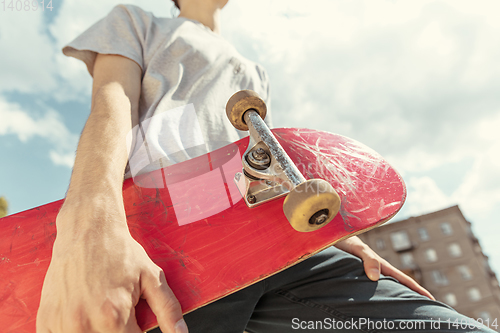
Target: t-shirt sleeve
(121, 32)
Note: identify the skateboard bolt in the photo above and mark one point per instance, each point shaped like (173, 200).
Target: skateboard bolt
(319, 218)
(259, 154)
(251, 198)
(258, 159)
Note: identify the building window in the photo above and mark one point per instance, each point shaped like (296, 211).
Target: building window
(400, 241)
(465, 272)
(439, 278)
(424, 235)
(407, 260)
(446, 228)
(380, 244)
(431, 255)
(454, 250)
(474, 294)
(450, 299)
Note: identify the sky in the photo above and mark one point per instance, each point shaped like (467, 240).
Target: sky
(418, 81)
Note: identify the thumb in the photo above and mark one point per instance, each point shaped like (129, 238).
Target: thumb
(162, 301)
(371, 265)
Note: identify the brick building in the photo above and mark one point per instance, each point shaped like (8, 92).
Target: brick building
(440, 251)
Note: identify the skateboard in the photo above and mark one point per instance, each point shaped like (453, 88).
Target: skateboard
(225, 220)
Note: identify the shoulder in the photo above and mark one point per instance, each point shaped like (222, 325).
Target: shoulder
(129, 10)
(146, 21)
(131, 13)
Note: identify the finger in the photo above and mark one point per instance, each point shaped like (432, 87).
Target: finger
(371, 263)
(389, 270)
(162, 301)
(371, 260)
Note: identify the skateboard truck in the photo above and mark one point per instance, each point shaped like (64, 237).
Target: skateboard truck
(269, 173)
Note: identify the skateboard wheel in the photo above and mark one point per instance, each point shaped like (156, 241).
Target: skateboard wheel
(311, 205)
(241, 102)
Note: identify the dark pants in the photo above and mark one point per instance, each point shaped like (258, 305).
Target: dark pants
(328, 292)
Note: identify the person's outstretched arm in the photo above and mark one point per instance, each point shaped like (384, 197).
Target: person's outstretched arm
(98, 271)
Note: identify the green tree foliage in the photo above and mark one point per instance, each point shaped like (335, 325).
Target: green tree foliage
(4, 205)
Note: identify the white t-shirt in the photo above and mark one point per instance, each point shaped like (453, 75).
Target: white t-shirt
(189, 73)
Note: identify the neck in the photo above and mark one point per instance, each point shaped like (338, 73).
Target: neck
(205, 12)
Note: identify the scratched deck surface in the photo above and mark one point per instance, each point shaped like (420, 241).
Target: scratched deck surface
(193, 223)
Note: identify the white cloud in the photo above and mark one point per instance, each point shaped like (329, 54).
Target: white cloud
(433, 40)
(27, 64)
(424, 196)
(49, 127)
(479, 191)
(64, 159)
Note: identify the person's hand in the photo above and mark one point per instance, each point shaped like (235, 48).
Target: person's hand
(374, 264)
(96, 277)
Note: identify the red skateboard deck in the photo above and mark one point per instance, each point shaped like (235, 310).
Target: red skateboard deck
(194, 224)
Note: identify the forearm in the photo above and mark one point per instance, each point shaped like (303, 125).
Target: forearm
(96, 182)
(102, 153)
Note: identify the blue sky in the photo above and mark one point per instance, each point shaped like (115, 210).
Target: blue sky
(417, 81)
